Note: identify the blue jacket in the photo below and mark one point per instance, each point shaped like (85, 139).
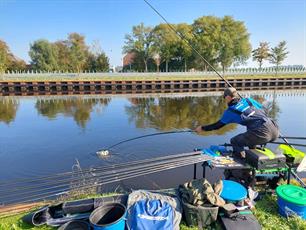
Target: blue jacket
(235, 114)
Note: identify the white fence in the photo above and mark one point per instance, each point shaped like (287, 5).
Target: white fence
(86, 74)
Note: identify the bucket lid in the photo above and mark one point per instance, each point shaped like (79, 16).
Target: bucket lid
(233, 191)
(292, 194)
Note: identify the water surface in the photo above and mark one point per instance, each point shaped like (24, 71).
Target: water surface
(45, 135)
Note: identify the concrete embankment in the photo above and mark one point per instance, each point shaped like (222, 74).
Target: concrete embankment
(133, 83)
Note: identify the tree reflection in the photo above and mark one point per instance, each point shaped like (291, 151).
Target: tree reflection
(76, 107)
(271, 108)
(8, 109)
(177, 113)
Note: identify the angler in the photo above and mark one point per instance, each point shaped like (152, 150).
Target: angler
(247, 112)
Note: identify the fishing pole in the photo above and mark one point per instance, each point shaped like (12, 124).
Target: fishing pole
(112, 180)
(92, 181)
(295, 138)
(94, 169)
(197, 52)
(105, 152)
(293, 144)
(189, 44)
(102, 175)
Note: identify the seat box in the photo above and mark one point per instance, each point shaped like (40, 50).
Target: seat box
(265, 159)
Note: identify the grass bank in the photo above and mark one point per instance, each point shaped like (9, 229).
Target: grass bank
(137, 77)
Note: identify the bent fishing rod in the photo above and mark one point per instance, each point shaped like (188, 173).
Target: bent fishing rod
(106, 150)
(198, 53)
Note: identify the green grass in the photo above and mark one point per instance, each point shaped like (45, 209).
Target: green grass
(266, 212)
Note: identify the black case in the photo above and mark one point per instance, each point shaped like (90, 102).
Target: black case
(240, 222)
(259, 160)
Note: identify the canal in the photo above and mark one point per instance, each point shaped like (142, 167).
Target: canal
(48, 134)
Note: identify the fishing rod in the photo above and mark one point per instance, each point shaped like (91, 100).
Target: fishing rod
(188, 43)
(197, 52)
(112, 180)
(295, 138)
(93, 181)
(293, 144)
(102, 175)
(104, 152)
(95, 169)
(271, 142)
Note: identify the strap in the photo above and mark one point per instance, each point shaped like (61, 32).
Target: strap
(249, 102)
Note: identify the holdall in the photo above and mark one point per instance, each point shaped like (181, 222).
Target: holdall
(151, 214)
(150, 209)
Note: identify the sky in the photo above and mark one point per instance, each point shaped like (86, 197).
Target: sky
(24, 21)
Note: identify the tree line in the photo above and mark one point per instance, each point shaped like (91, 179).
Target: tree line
(70, 55)
(223, 42)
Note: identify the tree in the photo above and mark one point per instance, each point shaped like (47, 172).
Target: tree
(234, 42)
(207, 32)
(98, 62)
(63, 55)
(78, 51)
(164, 43)
(140, 42)
(43, 55)
(17, 64)
(261, 53)
(184, 51)
(278, 54)
(4, 56)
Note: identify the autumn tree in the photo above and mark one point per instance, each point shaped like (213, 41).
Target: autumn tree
(261, 53)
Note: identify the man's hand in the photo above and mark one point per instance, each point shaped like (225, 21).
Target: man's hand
(198, 129)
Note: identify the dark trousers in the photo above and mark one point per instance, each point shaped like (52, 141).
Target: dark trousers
(262, 135)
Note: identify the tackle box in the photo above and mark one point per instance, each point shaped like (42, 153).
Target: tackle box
(265, 159)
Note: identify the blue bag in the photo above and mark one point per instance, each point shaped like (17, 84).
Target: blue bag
(150, 215)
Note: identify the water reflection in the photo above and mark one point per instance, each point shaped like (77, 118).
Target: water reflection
(159, 113)
(76, 107)
(177, 113)
(272, 107)
(8, 109)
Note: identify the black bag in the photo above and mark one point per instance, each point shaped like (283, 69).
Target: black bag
(240, 221)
